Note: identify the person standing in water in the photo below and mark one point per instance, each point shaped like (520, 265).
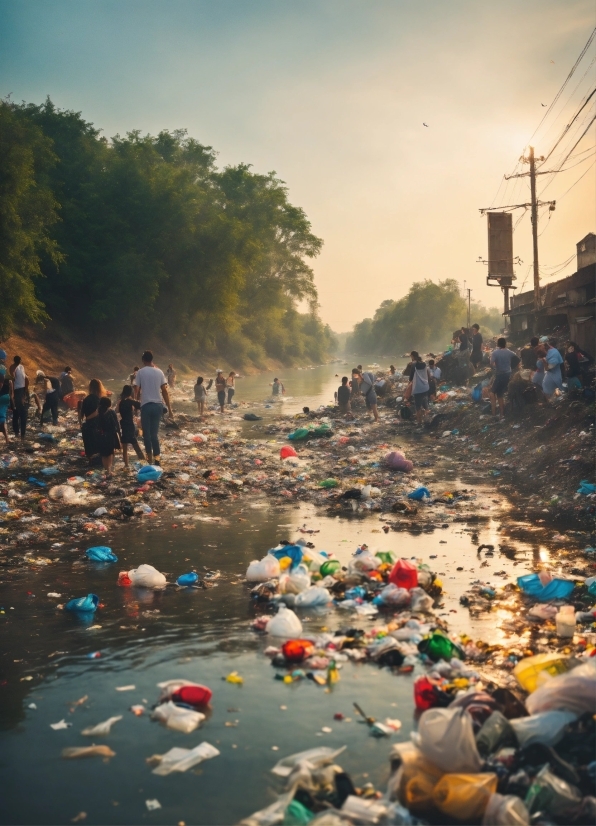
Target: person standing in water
(231, 386)
(171, 375)
(277, 388)
(151, 389)
(367, 389)
(200, 395)
(21, 398)
(220, 387)
(127, 406)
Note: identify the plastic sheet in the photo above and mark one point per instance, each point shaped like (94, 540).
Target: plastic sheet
(263, 569)
(311, 596)
(556, 589)
(149, 473)
(180, 760)
(547, 728)
(446, 738)
(101, 553)
(464, 796)
(574, 691)
(311, 759)
(505, 810)
(179, 719)
(101, 729)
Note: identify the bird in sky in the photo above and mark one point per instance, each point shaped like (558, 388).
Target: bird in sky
(552, 61)
(543, 104)
(425, 124)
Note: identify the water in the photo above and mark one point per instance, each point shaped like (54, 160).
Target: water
(202, 636)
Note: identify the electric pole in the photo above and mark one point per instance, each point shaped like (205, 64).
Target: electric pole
(534, 229)
(469, 293)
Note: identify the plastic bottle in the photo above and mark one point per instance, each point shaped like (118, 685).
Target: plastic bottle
(404, 574)
(505, 810)
(565, 620)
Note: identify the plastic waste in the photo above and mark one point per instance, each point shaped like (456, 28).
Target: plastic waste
(549, 793)
(543, 612)
(565, 620)
(180, 760)
(101, 553)
(284, 624)
(327, 484)
(364, 561)
(185, 580)
(299, 435)
(404, 574)
(66, 493)
(262, 570)
(170, 687)
(477, 393)
(293, 552)
(287, 451)
(419, 494)
(86, 604)
(149, 473)
(197, 696)
(124, 580)
(464, 796)
(363, 810)
(295, 651)
(297, 815)
(586, 488)
(446, 738)
(311, 596)
(329, 567)
(505, 810)
(177, 718)
(440, 647)
(496, 733)
(75, 752)
(397, 461)
(310, 759)
(428, 694)
(146, 576)
(298, 580)
(547, 727)
(421, 601)
(531, 671)
(392, 595)
(574, 691)
(555, 589)
(101, 729)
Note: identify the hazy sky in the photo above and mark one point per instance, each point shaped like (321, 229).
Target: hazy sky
(332, 95)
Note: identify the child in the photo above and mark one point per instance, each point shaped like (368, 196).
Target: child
(109, 434)
(435, 375)
(343, 396)
(200, 395)
(127, 407)
(231, 386)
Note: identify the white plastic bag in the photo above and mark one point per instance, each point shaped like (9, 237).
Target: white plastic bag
(393, 595)
(179, 719)
(284, 624)
(263, 569)
(505, 810)
(547, 728)
(64, 492)
(573, 691)
(146, 576)
(298, 580)
(313, 595)
(314, 559)
(181, 760)
(101, 729)
(364, 561)
(421, 601)
(446, 738)
(312, 759)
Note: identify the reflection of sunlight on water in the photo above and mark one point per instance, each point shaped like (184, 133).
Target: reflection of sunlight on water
(543, 554)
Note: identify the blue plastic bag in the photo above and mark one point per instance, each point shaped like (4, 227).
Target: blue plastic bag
(556, 588)
(477, 393)
(293, 551)
(85, 605)
(37, 482)
(586, 487)
(149, 473)
(101, 553)
(184, 580)
(419, 494)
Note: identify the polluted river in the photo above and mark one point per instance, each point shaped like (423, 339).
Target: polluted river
(64, 672)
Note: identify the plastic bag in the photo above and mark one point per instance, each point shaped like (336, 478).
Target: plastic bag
(547, 728)
(170, 687)
(404, 574)
(533, 671)
(64, 492)
(556, 589)
(287, 451)
(392, 595)
(421, 601)
(180, 760)
(101, 553)
(197, 696)
(439, 647)
(311, 759)
(146, 576)
(505, 810)
(293, 552)
(549, 793)
(179, 719)
(284, 624)
(364, 561)
(397, 461)
(464, 796)
(262, 570)
(184, 580)
(86, 604)
(295, 651)
(419, 494)
(330, 567)
(496, 733)
(298, 580)
(101, 729)
(299, 434)
(574, 691)
(149, 473)
(311, 596)
(446, 738)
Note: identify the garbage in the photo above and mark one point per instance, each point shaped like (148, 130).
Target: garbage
(186, 692)
(419, 494)
(505, 810)
(146, 576)
(547, 728)
(574, 691)
(421, 602)
(76, 752)
(152, 805)
(284, 624)
(404, 574)
(62, 724)
(530, 671)
(83, 605)
(149, 473)
(263, 570)
(186, 580)
(586, 488)
(286, 451)
(295, 651)
(310, 759)
(438, 646)
(101, 553)
(446, 738)
(175, 717)
(397, 461)
(555, 589)
(181, 760)
(101, 729)
(464, 796)
(552, 794)
(311, 596)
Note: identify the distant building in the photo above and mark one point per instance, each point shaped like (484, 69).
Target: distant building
(568, 303)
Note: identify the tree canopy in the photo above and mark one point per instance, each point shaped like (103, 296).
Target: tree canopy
(144, 235)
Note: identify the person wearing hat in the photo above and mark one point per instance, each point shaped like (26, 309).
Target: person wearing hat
(220, 386)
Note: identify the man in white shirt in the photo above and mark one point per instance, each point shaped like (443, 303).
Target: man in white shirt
(151, 388)
(21, 384)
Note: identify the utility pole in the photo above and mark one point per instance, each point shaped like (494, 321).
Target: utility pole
(469, 293)
(534, 229)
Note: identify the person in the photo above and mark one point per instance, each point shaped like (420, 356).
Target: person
(231, 386)
(343, 396)
(220, 387)
(20, 410)
(463, 339)
(553, 380)
(6, 394)
(133, 375)
(411, 365)
(355, 384)
(277, 388)
(127, 406)
(88, 411)
(392, 372)
(66, 382)
(52, 388)
(502, 360)
(420, 388)
(109, 434)
(476, 356)
(528, 354)
(367, 389)
(575, 363)
(150, 388)
(435, 376)
(200, 395)
(171, 374)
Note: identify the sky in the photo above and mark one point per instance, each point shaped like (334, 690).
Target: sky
(333, 95)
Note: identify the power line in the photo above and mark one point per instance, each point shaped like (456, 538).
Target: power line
(578, 180)
(568, 127)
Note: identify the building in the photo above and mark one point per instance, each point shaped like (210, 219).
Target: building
(568, 304)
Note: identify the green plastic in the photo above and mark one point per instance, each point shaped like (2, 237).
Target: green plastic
(439, 647)
(329, 567)
(386, 556)
(299, 435)
(297, 815)
(329, 483)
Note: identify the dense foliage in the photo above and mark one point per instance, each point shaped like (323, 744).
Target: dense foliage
(424, 319)
(143, 237)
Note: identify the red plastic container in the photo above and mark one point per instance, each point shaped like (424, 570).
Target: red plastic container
(193, 695)
(286, 452)
(297, 650)
(404, 574)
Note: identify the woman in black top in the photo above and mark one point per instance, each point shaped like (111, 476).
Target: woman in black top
(126, 407)
(88, 410)
(109, 434)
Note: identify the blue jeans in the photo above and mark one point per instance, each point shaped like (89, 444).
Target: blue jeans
(150, 418)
